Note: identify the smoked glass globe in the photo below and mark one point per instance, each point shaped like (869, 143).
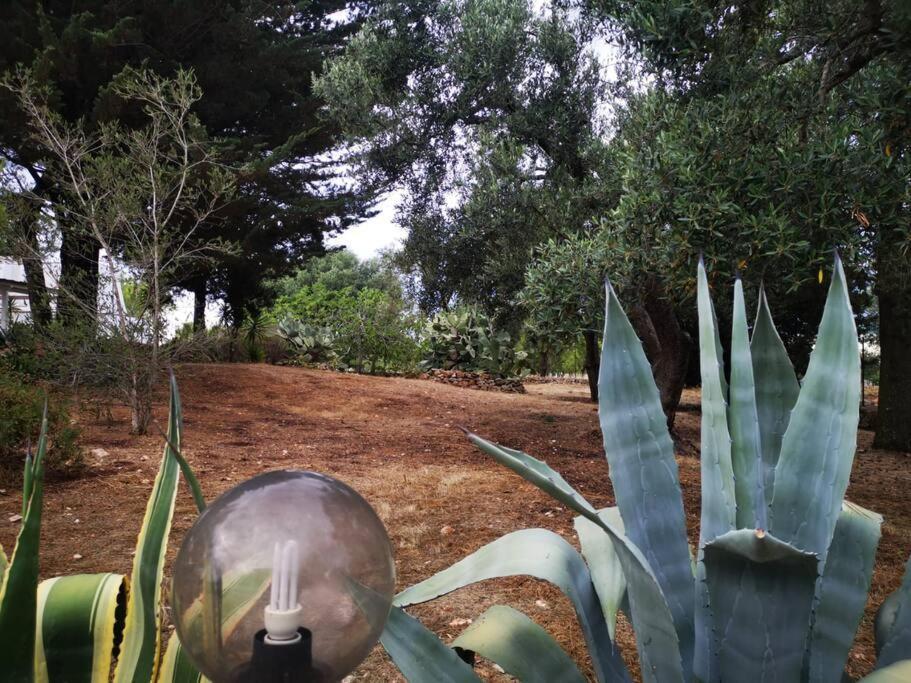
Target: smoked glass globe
(292, 566)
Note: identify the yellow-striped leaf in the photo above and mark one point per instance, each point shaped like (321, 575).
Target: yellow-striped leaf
(18, 592)
(77, 622)
(139, 654)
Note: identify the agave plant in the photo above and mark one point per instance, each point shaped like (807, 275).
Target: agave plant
(92, 627)
(310, 343)
(779, 580)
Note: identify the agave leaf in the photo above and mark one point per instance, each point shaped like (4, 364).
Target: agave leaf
(176, 666)
(719, 508)
(841, 591)
(897, 643)
(19, 590)
(885, 619)
(419, 654)
(743, 421)
(607, 572)
(240, 593)
(139, 652)
(761, 590)
(718, 499)
(523, 649)
(776, 390)
(642, 466)
(657, 644)
(415, 650)
(897, 672)
(544, 555)
(77, 620)
(4, 563)
(818, 447)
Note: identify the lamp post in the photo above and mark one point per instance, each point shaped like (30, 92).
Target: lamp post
(270, 582)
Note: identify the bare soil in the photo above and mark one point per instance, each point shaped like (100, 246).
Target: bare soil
(396, 441)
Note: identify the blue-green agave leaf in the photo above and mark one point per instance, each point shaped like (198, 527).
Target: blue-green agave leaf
(777, 389)
(419, 654)
(761, 591)
(841, 592)
(898, 672)
(818, 447)
(607, 572)
(544, 555)
(897, 643)
(719, 507)
(743, 421)
(656, 641)
(519, 646)
(642, 466)
(415, 650)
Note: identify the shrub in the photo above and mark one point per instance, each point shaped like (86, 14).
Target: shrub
(308, 343)
(783, 564)
(465, 339)
(22, 407)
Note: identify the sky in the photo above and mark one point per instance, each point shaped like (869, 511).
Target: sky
(380, 232)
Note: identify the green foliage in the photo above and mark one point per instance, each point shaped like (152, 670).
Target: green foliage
(512, 134)
(23, 405)
(350, 312)
(784, 563)
(466, 339)
(563, 292)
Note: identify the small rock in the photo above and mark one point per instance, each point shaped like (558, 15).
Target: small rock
(15, 518)
(99, 453)
(460, 622)
(542, 604)
(499, 669)
(446, 530)
(77, 556)
(145, 481)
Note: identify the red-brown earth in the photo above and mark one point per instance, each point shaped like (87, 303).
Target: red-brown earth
(397, 442)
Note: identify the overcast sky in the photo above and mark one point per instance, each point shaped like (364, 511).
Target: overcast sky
(375, 234)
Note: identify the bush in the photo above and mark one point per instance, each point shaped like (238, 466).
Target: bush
(465, 339)
(23, 404)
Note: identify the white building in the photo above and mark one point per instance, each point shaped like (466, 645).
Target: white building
(13, 294)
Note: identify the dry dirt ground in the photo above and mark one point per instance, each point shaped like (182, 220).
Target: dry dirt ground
(396, 441)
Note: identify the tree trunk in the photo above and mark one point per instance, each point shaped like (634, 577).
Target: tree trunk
(200, 291)
(77, 300)
(893, 289)
(666, 345)
(592, 361)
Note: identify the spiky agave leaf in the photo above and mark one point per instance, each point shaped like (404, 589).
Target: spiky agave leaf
(719, 507)
(642, 466)
(416, 651)
(817, 449)
(544, 555)
(896, 636)
(656, 641)
(841, 592)
(777, 389)
(519, 646)
(18, 592)
(76, 624)
(743, 422)
(761, 591)
(601, 558)
(139, 652)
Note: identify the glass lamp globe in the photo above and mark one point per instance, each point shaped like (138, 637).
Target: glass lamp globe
(287, 577)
